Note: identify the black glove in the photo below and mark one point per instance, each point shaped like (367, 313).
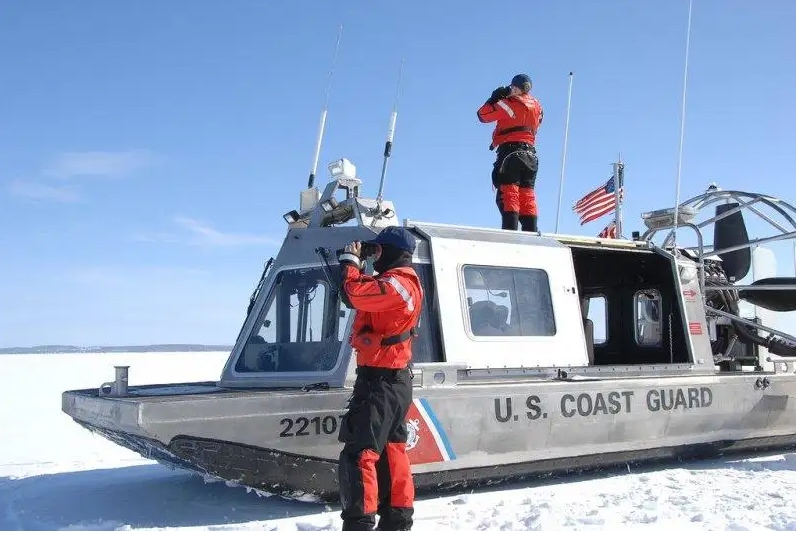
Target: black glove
(498, 94)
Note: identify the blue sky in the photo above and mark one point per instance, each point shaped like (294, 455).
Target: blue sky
(149, 149)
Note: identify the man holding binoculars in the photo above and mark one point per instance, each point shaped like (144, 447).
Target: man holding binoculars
(373, 430)
(518, 115)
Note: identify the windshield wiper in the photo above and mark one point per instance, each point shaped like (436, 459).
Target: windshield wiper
(324, 253)
(258, 288)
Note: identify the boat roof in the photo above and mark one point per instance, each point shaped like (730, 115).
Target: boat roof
(540, 239)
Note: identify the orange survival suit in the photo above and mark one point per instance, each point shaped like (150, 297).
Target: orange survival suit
(518, 116)
(374, 431)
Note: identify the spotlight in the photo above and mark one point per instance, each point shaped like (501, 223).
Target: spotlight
(329, 205)
(341, 168)
(291, 217)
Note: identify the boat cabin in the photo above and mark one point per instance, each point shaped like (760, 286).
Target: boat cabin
(495, 301)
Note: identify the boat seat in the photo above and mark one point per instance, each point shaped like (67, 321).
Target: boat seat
(500, 316)
(254, 351)
(483, 316)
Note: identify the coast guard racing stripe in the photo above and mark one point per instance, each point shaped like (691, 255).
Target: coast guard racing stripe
(427, 441)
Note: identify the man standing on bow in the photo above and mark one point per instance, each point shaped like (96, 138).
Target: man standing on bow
(518, 115)
(374, 470)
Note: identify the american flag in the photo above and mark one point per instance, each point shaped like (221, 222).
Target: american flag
(597, 203)
(610, 231)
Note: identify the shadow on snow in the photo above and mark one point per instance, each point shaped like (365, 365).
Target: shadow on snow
(145, 496)
(151, 496)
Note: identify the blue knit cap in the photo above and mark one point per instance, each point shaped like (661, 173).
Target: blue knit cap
(398, 237)
(521, 80)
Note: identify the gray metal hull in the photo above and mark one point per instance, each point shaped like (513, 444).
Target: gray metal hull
(473, 430)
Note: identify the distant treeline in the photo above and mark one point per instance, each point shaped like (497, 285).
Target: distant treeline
(157, 348)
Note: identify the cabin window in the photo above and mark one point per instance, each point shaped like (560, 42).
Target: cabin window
(427, 346)
(300, 328)
(597, 313)
(267, 330)
(343, 319)
(508, 301)
(648, 318)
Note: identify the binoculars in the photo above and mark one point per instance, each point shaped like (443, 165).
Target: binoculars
(367, 249)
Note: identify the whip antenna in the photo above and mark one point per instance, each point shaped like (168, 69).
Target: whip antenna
(391, 127)
(681, 129)
(323, 119)
(564, 148)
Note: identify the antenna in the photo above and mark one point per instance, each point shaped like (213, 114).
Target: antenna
(564, 146)
(323, 119)
(681, 128)
(389, 142)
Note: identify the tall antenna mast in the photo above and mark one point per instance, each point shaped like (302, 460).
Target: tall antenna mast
(681, 133)
(391, 127)
(323, 119)
(564, 146)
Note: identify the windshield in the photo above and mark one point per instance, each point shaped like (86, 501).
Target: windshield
(300, 327)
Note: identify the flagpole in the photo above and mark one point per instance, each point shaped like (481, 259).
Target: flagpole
(564, 149)
(619, 206)
(617, 173)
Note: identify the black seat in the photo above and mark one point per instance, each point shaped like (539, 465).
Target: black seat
(483, 316)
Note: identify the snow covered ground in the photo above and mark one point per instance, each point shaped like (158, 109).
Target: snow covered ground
(55, 475)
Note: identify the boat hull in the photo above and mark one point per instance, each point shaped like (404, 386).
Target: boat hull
(293, 475)
(476, 431)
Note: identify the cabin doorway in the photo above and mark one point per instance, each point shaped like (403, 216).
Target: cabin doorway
(629, 308)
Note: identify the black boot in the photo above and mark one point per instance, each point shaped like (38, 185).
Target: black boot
(396, 519)
(510, 220)
(363, 523)
(529, 223)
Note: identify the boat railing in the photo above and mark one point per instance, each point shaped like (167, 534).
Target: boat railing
(670, 220)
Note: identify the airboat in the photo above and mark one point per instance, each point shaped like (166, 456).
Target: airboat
(537, 353)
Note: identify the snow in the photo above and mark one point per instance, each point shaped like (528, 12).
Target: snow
(54, 475)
